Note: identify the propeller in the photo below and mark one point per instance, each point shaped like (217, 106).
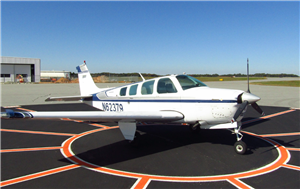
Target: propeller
(245, 99)
(239, 111)
(257, 108)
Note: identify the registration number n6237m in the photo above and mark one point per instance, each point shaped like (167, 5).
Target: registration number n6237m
(112, 107)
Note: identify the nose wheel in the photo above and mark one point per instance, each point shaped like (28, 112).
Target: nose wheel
(240, 147)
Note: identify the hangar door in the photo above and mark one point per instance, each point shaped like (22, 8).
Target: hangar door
(10, 72)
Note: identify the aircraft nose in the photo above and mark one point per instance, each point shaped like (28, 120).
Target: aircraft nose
(251, 98)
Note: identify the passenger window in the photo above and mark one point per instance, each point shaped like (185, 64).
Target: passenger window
(123, 91)
(165, 85)
(133, 89)
(147, 87)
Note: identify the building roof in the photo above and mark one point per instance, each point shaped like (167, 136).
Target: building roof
(18, 60)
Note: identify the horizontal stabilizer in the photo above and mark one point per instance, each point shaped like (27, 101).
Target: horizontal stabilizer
(68, 98)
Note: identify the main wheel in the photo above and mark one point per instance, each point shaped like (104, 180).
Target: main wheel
(240, 147)
(135, 141)
(194, 129)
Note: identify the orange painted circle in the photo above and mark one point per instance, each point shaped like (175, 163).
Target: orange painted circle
(282, 158)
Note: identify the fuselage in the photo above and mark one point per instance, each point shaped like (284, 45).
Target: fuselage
(180, 93)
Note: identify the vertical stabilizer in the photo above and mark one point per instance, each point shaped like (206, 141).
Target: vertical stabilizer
(86, 83)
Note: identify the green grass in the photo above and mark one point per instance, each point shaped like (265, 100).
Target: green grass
(295, 83)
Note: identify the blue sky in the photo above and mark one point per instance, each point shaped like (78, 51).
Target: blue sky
(154, 37)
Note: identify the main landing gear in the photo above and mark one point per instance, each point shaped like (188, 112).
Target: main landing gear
(195, 128)
(135, 142)
(240, 147)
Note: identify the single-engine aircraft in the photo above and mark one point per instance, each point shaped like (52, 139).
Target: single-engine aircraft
(172, 99)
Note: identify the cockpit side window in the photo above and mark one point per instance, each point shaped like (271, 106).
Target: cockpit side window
(133, 90)
(188, 82)
(147, 87)
(165, 85)
(123, 91)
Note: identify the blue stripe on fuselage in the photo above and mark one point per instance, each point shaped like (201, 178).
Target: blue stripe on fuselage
(95, 98)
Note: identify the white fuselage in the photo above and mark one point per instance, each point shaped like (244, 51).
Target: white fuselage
(198, 104)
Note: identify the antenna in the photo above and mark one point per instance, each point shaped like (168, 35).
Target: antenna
(248, 75)
(142, 76)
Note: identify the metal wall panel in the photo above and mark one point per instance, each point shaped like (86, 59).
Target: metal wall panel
(21, 66)
(7, 69)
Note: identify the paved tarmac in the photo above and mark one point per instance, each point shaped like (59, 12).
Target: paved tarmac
(26, 94)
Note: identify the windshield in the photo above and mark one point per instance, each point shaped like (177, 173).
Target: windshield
(188, 82)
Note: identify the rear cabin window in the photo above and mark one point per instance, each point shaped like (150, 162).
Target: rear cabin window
(165, 85)
(188, 82)
(133, 90)
(123, 91)
(147, 87)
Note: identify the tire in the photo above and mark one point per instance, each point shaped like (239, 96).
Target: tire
(240, 147)
(135, 142)
(194, 129)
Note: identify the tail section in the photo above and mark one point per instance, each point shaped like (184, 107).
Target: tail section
(86, 83)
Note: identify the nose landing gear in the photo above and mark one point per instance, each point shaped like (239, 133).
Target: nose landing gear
(240, 147)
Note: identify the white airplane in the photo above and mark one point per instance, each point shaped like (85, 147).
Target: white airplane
(172, 99)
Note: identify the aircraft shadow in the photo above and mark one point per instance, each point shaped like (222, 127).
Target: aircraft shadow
(247, 125)
(176, 145)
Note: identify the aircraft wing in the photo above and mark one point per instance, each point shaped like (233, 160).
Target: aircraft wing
(167, 115)
(68, 98)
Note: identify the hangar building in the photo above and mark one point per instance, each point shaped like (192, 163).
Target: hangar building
(14, 68)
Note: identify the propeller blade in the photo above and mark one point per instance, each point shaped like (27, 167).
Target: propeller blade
(257, 108)
(239, 111)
